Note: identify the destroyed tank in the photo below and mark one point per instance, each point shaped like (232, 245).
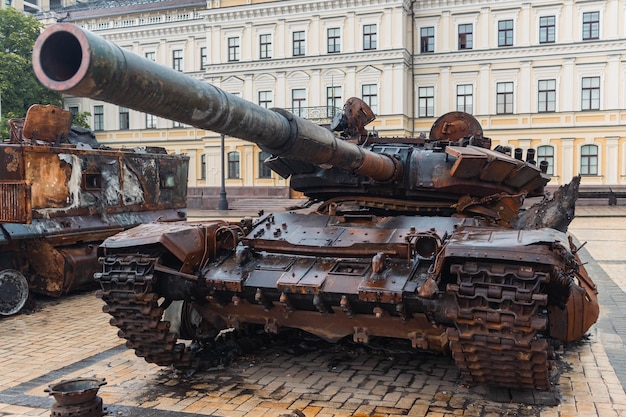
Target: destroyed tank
(423, 240)
(62, 194)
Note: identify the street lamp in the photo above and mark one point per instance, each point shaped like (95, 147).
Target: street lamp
(223, 203)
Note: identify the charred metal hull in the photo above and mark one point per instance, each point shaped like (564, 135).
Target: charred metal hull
(494, 297)
(60, 200)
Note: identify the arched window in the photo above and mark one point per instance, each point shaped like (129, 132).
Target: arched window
(264, 170)
(589, 160)
(546, 153)
(233, 165)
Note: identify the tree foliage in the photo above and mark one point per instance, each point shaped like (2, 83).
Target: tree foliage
(19, 88)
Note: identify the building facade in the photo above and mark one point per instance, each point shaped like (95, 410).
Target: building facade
(544, 74)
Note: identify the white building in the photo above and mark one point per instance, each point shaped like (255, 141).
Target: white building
(542, 74)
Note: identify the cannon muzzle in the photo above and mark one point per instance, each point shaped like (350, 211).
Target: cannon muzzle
(73, 61)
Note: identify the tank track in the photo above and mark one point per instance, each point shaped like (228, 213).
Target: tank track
(498, 312)
(127, 289)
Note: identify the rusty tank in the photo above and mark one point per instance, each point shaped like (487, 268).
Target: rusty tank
(425, 239)
(62, 194)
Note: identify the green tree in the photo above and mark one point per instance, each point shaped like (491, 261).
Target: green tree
(19, 88)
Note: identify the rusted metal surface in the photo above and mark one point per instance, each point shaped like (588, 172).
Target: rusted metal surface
(76, 397)
(419, 239)
(60, 197)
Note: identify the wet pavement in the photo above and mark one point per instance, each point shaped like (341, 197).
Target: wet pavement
(71, 337)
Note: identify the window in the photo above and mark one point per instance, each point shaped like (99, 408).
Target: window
(124, 118)
(265, 46)
(426, 101)
(504, 98)
(264, 170)
(298, 101)
(204, 58)
(546, 96)
(505, 33)
(427, 40)
(177, 59)
(546, 153)
(176, 124)
(465, 98)
(369, 93)
(233, 49)
(98, 117)
(333, 100)
(233, 165)
(466, 36)
(265, 99)
(203, 166)
(73, 110)
(591, 26)
(298, 43)
(151, 121)
(151, 56)
(546, 29)
(369, 37)
(334, 40)
(589, 160)
(590, 93)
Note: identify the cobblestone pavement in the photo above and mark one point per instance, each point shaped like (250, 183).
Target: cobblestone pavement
(71, 337)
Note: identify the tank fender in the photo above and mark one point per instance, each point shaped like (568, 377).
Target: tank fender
(505, 245)
(188, 242)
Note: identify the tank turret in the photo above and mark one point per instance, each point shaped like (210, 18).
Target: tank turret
(420, 239)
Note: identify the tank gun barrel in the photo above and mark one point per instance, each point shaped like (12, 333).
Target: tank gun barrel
(73, 61)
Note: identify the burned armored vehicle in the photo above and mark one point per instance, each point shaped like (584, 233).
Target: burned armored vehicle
(418, 239)
(61, 194)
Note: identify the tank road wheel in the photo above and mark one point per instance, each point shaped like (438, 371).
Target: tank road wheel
(140, 314)
(498, 312)
(13, 291)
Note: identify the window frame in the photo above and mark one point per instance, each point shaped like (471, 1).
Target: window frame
(203, 166)
(505, 33)
(371, 99)
(333, 47)
(298, 45)
(98, 118)
(427, 41)
(297, 102)
(234, 165)
(465, 39)
(505, 97)
(332, 99)
(546, 96)
(177, 59)
(464, 96)
(589, 161)
(264, 172)
(590, 95)
(151, 121)
(204, 58)
(124, 118)
(265, 46)
(370, 39)
(426, 101)
(590, 28)
(234, 48)
(265, 98)
(547, 30)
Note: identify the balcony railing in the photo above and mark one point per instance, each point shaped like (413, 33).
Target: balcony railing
(321, 115)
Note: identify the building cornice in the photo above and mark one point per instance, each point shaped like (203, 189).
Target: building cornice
(385, 57)
(556, 51)
(244, 13)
